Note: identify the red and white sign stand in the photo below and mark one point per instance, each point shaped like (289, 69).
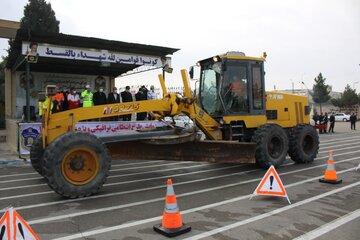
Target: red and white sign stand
(271, 185)
(14, 227)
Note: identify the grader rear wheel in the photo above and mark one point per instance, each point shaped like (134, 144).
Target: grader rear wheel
(76, 164)
(303, 144)
(271, 145)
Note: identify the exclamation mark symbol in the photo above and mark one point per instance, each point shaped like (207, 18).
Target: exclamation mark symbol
(271, 181)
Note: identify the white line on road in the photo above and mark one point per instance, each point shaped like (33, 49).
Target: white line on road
(271, 213)
(152, 188)
(144, 221)
(328, 227)
(162, 198)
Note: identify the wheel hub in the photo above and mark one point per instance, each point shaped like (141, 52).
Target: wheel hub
(80, 166)
(77, 163)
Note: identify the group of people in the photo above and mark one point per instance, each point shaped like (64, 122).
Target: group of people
(323, 119)
(64, 100)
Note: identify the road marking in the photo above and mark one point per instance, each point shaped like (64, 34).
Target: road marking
(145, 189)
(109, 184)
(153, 161)
(328, 227)
(144, 221)
(161, 198)
(152, 166)
(269, 214)
(339, 139)
(177, 175)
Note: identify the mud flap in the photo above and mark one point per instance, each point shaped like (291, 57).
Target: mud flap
(210, 151)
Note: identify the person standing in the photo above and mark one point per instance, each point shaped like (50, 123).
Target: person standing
(57, 100)
(353, 121)
(151, 95)
(65, 93)
(99, 97)
(325, 121)
(73, 99)
(321, 121)
(140, 96)
(332, 123)
(87, 97)
(114, 97)
(126, 97)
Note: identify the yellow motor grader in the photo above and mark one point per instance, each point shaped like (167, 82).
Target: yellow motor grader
(241, 122)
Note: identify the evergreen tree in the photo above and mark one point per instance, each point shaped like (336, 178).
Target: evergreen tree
(349, 96)
(39, 16)
(321, 91)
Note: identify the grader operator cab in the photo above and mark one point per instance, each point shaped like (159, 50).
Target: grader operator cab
(241, 122)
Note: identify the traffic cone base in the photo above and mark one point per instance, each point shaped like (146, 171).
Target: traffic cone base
(172, 232)
(323, 180)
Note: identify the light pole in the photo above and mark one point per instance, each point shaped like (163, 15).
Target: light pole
(354, 83)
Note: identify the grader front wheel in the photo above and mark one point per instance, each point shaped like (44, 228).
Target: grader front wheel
(36, 155)
(76, 164)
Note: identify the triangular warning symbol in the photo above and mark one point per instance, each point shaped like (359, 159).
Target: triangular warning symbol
(22, 229)
(271, 185)
(5, 226)
(14, 227)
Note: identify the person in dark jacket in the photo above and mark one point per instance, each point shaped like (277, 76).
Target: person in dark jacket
(321, 121)
(99, 97)
(353, 121)
(325, 121)
(316, 118)
(114, 97)
(332, 123)
(126, 96)
(140, 96)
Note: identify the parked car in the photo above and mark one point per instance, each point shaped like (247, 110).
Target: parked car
(342, 117)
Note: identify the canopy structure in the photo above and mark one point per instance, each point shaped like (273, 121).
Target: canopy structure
(62, 53)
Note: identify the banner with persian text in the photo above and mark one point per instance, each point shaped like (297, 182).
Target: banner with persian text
(29, 131)
(98, 55)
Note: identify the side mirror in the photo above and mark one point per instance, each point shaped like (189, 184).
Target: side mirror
(191, 72)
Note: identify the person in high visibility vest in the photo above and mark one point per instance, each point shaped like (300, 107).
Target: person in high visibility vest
(87, 97)
(58, 101)
(46, 104)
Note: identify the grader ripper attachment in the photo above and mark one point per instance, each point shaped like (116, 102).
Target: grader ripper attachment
(240, 122)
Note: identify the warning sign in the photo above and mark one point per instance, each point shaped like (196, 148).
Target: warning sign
(271, 185)
(14, 227)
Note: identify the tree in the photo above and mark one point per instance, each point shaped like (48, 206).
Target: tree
(321, 91)
(348, 98)
(39, 16)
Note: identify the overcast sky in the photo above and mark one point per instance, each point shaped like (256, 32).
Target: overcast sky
(301, 38)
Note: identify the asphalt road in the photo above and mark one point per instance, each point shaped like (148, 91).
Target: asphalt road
(213, 199)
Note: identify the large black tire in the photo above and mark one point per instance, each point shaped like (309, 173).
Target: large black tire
(271, 145)
(36, 155)
(76, 164)
(303, 143)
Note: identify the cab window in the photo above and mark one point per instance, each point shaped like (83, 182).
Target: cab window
(257, 87)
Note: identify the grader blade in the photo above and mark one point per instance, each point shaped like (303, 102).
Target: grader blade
(210, 151)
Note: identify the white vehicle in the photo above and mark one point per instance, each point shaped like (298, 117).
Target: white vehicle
(342, 117)
(181, 121)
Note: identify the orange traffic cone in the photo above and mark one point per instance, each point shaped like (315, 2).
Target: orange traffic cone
(172, 224)
(330, 173)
